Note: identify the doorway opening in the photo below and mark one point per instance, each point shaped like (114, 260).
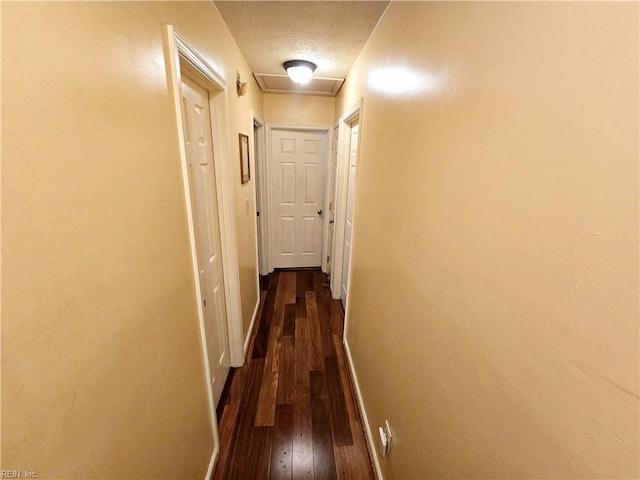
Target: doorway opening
(261, 196)
(202, 196)
(346, 182)
(296, 196)
(194, 88)
(332, 173)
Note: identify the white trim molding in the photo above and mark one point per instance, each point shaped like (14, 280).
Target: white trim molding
(328, 179)
(191, 62)
(213, 460)
(260, 173)
(252, 325)
(228, 234)
(270, 127)
(363, 412)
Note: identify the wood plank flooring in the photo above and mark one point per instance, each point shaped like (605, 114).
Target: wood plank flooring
(290, 412)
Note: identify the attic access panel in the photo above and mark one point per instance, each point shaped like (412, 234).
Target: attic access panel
(275, 83)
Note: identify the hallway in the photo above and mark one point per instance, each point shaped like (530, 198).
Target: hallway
(493, 311)
(290, 412)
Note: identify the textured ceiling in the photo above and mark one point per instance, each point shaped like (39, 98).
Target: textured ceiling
(329, 34)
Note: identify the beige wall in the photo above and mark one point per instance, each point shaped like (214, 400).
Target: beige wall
(102, 372)
(493, 316)
(241, 121)
(298, 109)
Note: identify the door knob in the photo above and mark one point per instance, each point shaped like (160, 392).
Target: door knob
(319, 212)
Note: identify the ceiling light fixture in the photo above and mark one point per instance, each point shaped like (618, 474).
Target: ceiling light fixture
(299, 71)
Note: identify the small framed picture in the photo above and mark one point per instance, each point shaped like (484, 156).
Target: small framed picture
(245, 175)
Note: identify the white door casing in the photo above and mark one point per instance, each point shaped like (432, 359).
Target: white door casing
(199, 156)
(332, 198)
(259, 228)
(260, 175)
(297, 197)
(348, 225)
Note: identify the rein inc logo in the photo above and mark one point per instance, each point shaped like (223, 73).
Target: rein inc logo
(18, 474)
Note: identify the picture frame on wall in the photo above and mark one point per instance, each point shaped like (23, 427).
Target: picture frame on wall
(245, 175)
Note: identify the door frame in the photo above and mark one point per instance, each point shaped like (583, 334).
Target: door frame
(331, 184)
(183, 59)
(262, 242)
(348, 118)
(328, 131)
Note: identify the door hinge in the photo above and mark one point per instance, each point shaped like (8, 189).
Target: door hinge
(257, 214)
(327, 258)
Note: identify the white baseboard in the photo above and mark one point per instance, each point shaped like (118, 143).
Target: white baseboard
(251, 325)
(363, 412)
(212, 462)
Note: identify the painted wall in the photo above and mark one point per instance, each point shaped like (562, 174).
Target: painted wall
(241, 121)
(102, 373)
(493, 311)
(298, 109)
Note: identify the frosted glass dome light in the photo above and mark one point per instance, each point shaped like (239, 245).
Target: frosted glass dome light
(299, 71)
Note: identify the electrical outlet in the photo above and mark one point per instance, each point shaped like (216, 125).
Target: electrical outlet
(384, 442)
(389, 432)
(385, 438)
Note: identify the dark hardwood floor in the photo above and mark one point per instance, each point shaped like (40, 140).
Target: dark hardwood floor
(290, 412)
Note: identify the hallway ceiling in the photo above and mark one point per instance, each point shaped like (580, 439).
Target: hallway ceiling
(330, 34)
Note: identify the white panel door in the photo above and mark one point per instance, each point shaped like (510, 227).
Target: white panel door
(297, 198)
(197, 126)
(348, 228)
